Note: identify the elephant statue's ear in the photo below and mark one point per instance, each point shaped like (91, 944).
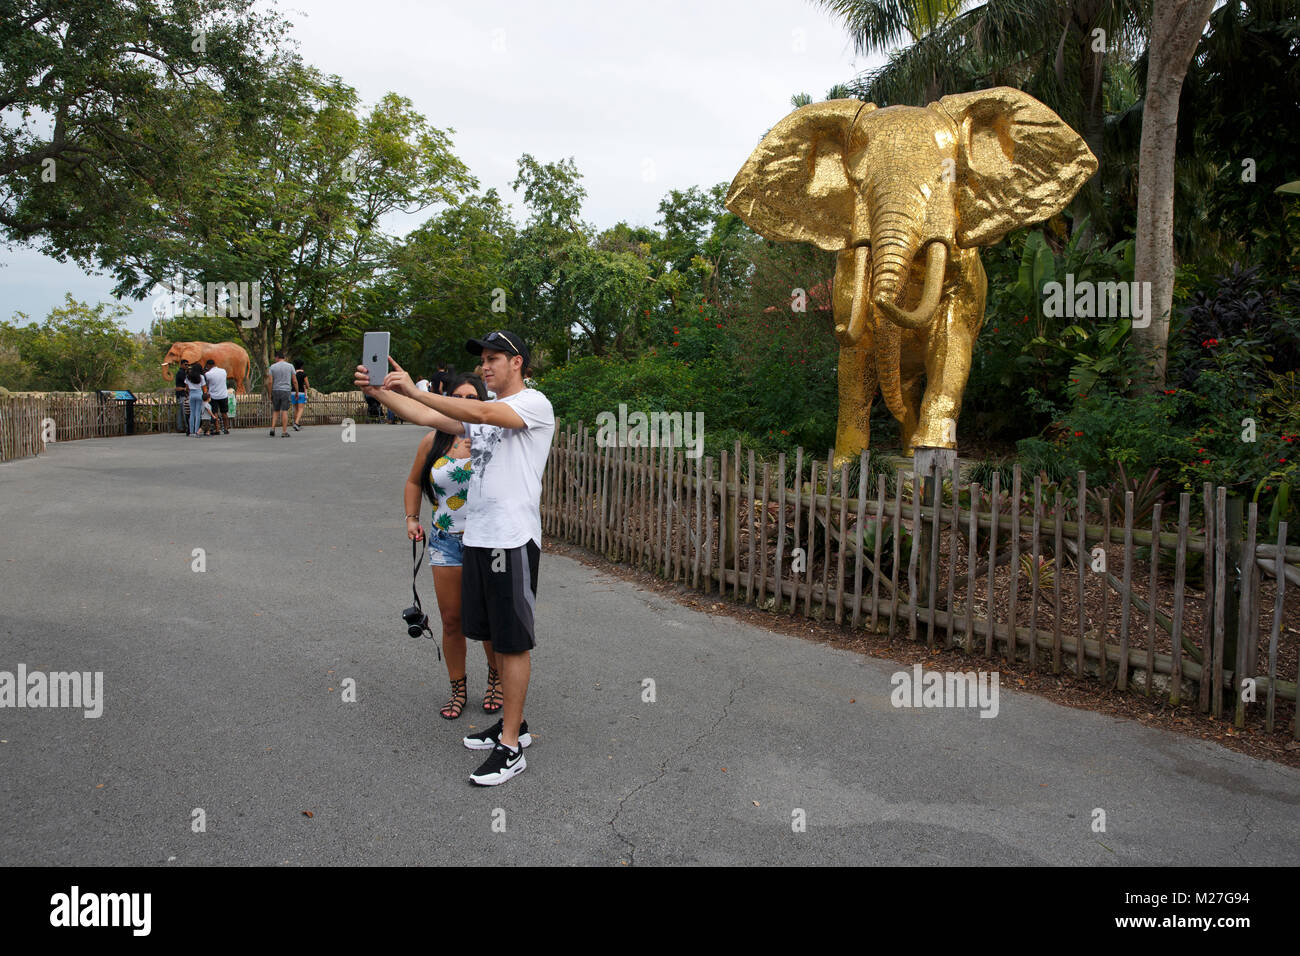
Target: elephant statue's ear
(1017, 162)
(795, 186)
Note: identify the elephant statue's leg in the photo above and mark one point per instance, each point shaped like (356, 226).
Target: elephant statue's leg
(911, 385)
(857, 378)
(913, 390)
(948, 354)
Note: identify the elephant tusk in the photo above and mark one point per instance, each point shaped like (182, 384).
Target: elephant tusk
(858, 314)
(936, 261)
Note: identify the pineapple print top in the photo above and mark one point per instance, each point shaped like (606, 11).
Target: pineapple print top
(450, 480)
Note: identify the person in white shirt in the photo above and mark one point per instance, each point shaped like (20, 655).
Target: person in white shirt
(510, 439)
(219, 394)
(423, 385)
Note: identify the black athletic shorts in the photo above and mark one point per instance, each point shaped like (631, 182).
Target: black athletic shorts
(221, 405)
(498, 590)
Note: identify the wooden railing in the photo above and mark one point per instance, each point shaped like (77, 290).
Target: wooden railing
(29, 422)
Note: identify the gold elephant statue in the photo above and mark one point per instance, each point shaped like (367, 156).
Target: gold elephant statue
(906, 195)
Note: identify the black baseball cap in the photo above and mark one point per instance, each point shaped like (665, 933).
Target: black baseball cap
(499, 341)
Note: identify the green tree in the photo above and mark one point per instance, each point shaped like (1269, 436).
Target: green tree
(1239, 123)
(444, 283)
(542, 298)
(706, 246)
(77, 348)
(298, 207)
(97, 100)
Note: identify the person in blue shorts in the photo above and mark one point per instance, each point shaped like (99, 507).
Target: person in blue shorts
(299, 394)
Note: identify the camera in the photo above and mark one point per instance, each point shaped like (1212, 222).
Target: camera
(417, 622)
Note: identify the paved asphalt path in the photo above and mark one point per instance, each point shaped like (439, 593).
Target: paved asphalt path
(223, 692)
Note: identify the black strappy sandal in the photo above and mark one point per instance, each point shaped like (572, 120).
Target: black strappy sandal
(459, 698)
(493, 698)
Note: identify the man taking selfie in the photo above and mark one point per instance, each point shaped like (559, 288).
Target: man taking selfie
(510, 439)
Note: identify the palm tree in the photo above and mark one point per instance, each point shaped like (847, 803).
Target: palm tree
(881, 24)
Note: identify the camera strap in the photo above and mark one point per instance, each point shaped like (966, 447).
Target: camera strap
(415, 574)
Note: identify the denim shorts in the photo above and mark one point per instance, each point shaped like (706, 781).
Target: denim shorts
(445, 550)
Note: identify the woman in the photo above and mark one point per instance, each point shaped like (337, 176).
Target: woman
(441, 471)
(299, 399)
(197, 387)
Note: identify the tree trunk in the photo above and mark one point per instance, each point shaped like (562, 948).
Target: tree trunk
(1176, 29)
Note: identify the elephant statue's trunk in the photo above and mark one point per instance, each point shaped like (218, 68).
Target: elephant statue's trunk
(893, 243)
(936, 262)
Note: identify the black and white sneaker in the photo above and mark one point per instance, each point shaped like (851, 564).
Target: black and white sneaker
(503, 764)
(492, 736)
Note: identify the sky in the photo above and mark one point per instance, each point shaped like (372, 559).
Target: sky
(646, 97)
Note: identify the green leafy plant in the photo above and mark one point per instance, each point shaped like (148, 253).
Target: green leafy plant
(1046, 570)
(1146, 492)
(1023, 350)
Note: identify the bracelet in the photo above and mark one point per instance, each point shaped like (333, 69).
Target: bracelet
(412, 517)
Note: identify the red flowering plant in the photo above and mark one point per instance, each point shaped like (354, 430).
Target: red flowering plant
(1107, 432)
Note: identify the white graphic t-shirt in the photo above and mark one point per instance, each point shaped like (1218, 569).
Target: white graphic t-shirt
(505, 490)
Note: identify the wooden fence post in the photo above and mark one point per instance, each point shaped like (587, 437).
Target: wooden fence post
(779, 564)
(863, 459)
(1246, 619)
(1180, 579)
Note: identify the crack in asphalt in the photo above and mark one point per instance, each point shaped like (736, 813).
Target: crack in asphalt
(1250, 830)
(663, 770)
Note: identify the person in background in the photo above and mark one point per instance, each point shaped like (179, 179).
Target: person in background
(197, 386)
(299, 394)
(208, 419)
(218, 394)
(182, 399)
(279, 388)
(478, 373)
(441, 384)
(423, 385)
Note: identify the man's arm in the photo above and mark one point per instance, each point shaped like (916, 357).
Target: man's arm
(472, 410)
(460, 409)
(405, 407)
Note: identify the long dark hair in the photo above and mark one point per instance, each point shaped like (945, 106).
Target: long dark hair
(442, 440)
(195, 374)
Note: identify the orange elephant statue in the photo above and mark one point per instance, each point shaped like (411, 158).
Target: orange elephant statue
(228, 355)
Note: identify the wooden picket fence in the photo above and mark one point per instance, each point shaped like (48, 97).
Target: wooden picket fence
(944, 561)
(20, 427)
(27, 420)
